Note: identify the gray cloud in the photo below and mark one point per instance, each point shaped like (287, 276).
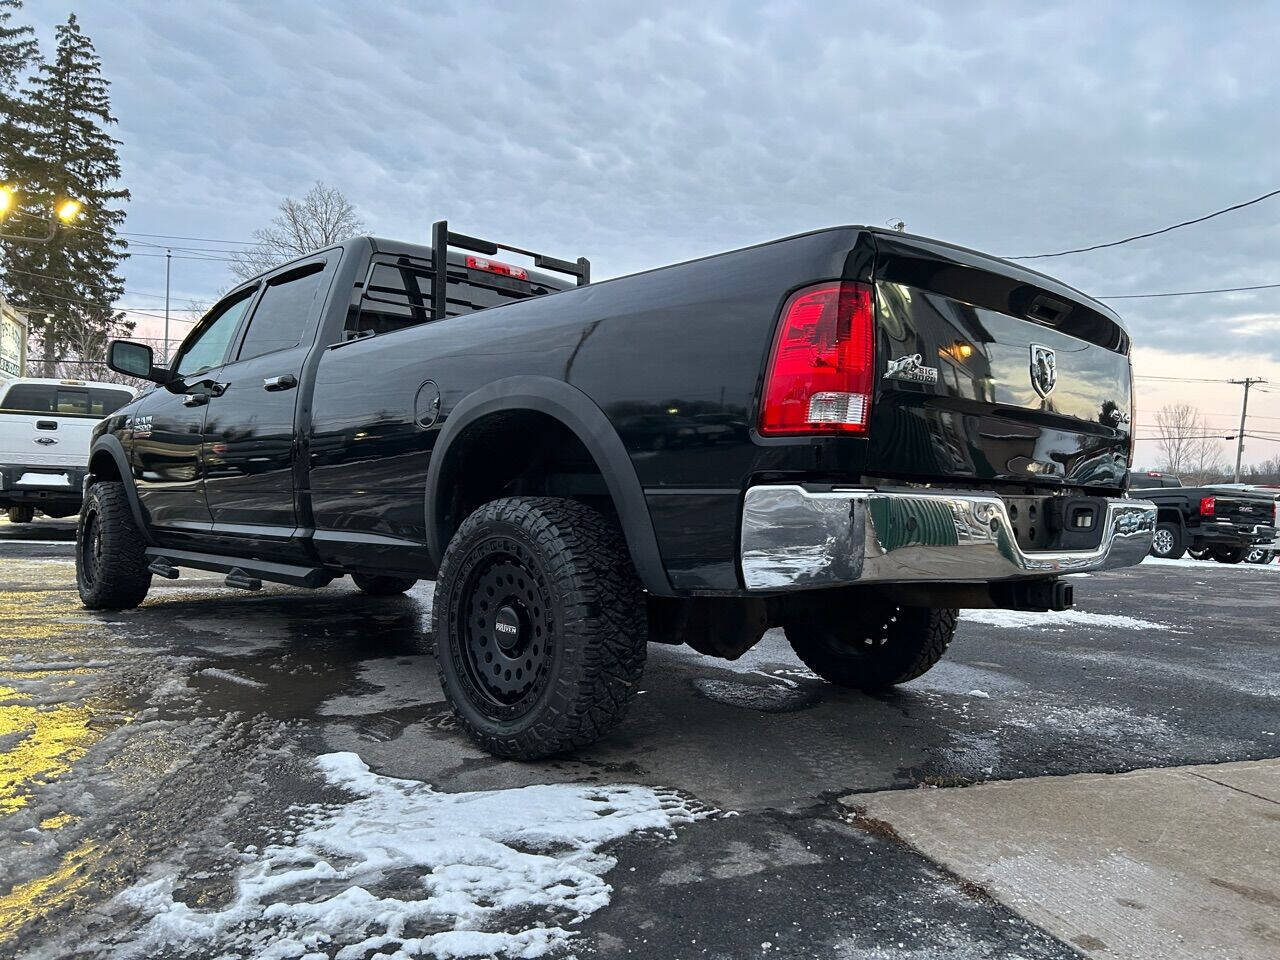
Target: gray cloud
(643, 134)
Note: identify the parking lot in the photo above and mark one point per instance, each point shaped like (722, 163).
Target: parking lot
(225, 773)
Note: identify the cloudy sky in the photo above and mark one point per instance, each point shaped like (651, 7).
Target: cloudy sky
(641, 134)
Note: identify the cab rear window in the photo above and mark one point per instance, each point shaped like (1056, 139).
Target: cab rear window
(63, 401)
(398, 295)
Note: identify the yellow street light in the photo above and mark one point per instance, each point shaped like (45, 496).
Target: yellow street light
(68, 210)
(6, 200)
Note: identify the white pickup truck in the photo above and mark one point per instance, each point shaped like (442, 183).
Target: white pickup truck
(45, 428)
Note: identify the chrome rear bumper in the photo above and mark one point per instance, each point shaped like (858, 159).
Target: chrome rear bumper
(797, 539)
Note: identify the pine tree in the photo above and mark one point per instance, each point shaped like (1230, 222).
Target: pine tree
(68, 285)
(18, 53)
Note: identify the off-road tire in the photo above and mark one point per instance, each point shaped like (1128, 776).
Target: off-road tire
(1167, 542)
(381, 585)
(866, 643)
(1260, 556)
(1228, 554)
(22, 514)
(111, 562)
(560, 571)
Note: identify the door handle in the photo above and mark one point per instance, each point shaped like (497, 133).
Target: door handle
(285, 382)
(195, 399)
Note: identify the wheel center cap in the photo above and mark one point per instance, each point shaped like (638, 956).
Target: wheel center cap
(506, 628)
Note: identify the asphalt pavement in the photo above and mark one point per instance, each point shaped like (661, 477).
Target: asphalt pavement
(159, 763)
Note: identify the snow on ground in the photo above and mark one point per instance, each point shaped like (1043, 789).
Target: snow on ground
(1021, 619)
(217, 673)
(403, 870)
(1189, 563)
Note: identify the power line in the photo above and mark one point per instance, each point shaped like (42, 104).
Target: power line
(91, 303)
(173, 236)
(49, 276)
(1143, 376)
(185, 257)
(128, 233)
(1189, 293)
(1193, 436)
(1153, 233)
(1252, 416)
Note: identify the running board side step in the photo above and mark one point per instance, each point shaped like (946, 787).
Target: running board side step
(243, 573)
(163, 568)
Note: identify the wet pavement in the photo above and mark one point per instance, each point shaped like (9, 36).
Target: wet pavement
(157, 763)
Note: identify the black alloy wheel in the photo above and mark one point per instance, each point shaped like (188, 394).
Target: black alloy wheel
(508, 628)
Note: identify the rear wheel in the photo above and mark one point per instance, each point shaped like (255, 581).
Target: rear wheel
(111, 561)
(540, 626)
(379, 585)
(1167, 542)
(1228, 554)
(1259, 555)
(869, 644)
(22, 514)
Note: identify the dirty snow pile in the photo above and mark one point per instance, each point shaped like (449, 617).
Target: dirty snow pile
(406, 871)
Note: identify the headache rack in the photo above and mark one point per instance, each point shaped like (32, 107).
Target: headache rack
(442, 238)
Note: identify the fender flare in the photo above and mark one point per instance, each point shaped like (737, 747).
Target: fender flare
(1173, 515)
(111, 445)
(578, 413)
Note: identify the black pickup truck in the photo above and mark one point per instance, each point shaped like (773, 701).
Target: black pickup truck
(848, 433)
(1227, 524)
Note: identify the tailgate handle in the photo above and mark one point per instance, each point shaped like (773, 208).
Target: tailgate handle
(46, 424)
(1047, 310)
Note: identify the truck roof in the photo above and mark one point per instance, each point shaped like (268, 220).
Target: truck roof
(61, 382)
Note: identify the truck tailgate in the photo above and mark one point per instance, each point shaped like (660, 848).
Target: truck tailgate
(1244, 509)
(41, 439)
(994, 372)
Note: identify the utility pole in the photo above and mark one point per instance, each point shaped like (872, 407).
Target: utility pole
(168, 260)
(1247, 382)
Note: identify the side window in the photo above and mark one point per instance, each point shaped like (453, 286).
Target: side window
(103, 402)
(208, 346)
(397, 296)
(283, 312)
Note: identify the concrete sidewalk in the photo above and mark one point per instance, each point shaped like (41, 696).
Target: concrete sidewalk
(1178, 863)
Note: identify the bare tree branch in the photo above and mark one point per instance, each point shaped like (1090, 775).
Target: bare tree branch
(324, 216)
(1186, 448)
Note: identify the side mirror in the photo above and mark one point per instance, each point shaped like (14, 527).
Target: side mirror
(135, 360)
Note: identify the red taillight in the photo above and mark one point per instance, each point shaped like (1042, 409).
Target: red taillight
(1206, 506)
(493, 266)
(820, 371)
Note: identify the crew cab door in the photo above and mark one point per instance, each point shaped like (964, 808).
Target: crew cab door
(166, 430)
(249, 433)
